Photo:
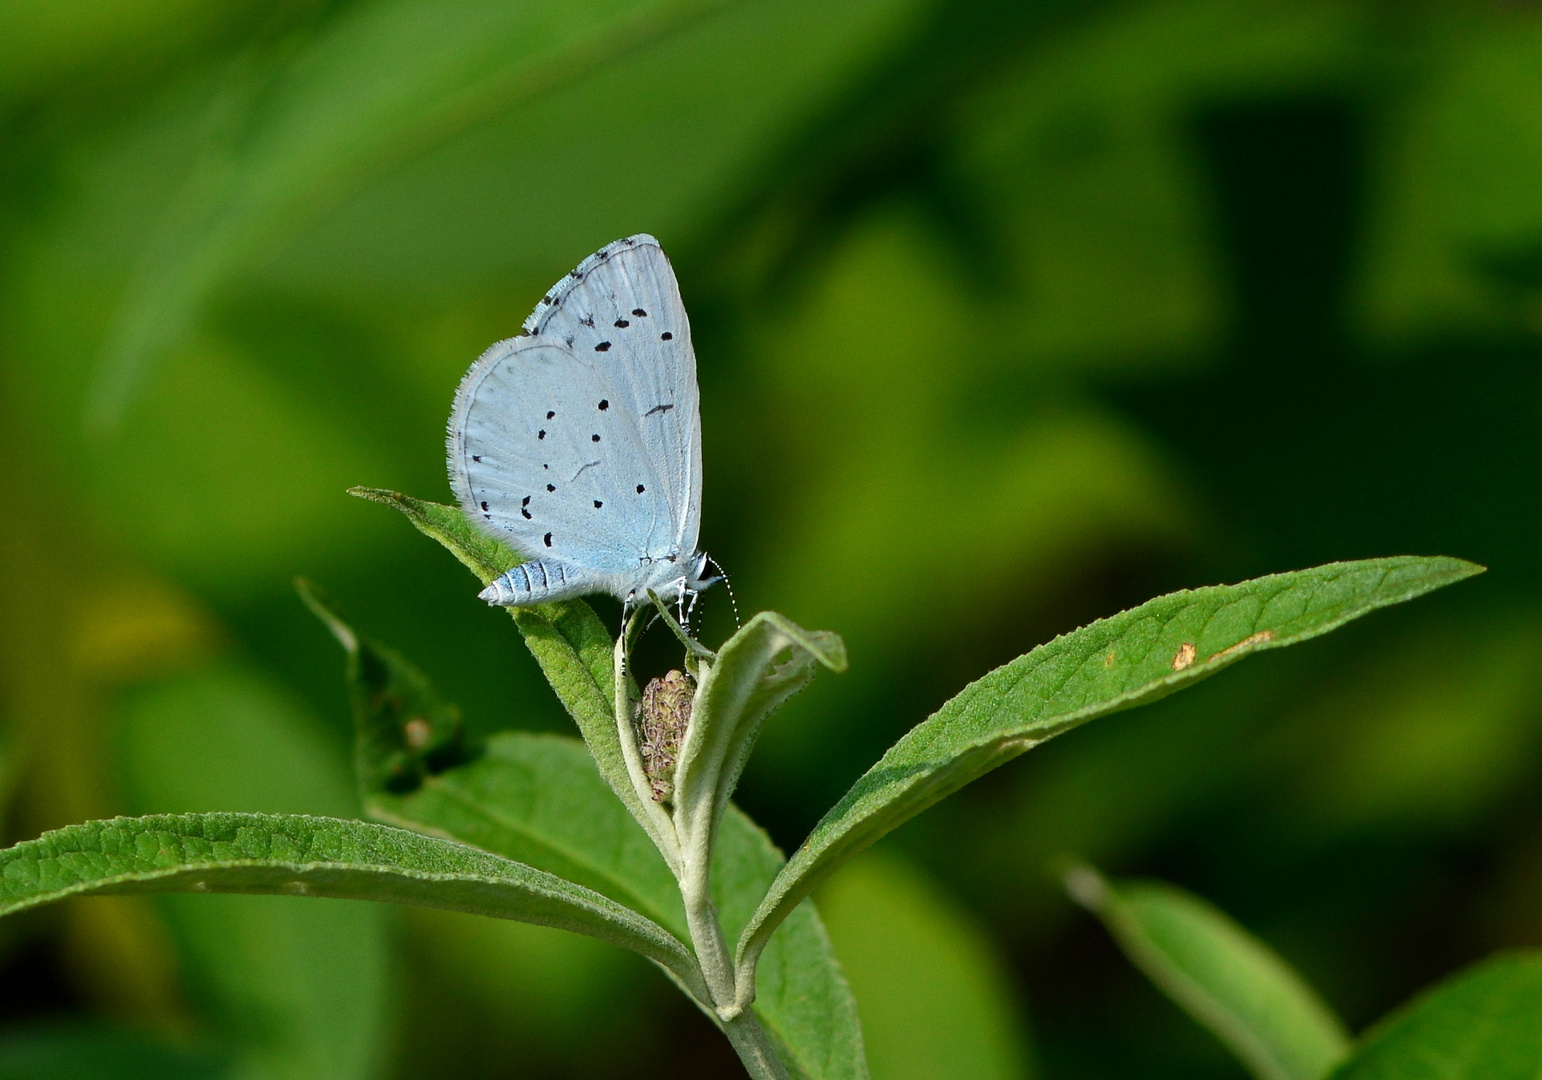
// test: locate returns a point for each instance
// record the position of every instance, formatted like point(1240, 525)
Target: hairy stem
point(754, 1047)
point(738, 1021)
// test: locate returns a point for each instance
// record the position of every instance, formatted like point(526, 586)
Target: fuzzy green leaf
point(1132, 658)
point(298, 855)
point(739, 690)
point(1482, 1024)
point(537, 798)
point(567, 639)
point(484, 556)
point(1221, 975)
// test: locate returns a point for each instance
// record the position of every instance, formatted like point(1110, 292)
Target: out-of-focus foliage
point(933, 994)
point(1008, 317)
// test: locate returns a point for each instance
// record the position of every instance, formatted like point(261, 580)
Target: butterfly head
point(701, 575)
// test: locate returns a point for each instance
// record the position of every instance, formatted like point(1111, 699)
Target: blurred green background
point(1008, 316)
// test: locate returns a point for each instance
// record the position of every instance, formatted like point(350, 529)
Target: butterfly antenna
point(733, 601)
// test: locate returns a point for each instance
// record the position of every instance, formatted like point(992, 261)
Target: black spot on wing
point(603, 346)
point(604, 404)
point(641, 489)
point(621, 324)
point(639, 312)
point(598, 504)
point(665, 336)
point(548, 539)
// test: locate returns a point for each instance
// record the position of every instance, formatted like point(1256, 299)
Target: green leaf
point(738, 691)
point(802, 997)
point(226, 737)
point(1221, 975)
point(298, 855)
point(379, 83)
point(537, 798)
point(484, 556)
point(567, 639)
point(1132, 658)
point(1483, 1024)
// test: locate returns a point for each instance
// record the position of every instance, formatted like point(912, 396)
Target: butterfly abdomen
point(537, 582)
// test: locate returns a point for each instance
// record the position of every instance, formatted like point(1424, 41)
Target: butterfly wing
point(545, 454)
point(622, 307)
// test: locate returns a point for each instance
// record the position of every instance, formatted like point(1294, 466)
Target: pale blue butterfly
point(579, 442)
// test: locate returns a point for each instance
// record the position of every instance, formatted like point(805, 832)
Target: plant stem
point(739, 1023)
point(707, 937)
point(754, 1047)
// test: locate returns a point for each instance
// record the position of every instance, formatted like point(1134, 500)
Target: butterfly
point(578, 443)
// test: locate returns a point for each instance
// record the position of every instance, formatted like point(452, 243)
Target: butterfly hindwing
point(545, 453)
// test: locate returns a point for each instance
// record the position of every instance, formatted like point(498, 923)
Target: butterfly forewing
point(622, 307)
point(545, 455)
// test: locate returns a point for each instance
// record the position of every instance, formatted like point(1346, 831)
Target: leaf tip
point(378, 495)
point(1084, 884)
point(310, 596)
point(832, 650)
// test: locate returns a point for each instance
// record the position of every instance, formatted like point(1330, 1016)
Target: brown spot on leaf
point(416, 733)
point(1185, 656)
point(1262, 635)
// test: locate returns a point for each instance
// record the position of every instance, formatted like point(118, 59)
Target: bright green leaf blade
point(538, 799)
point(379, 83)
point(1225, 978)
point(742, 687)
point(1116, 663)
point(1483, 1024)
point(298, 855)
point(227, 738)
point(567, 639)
